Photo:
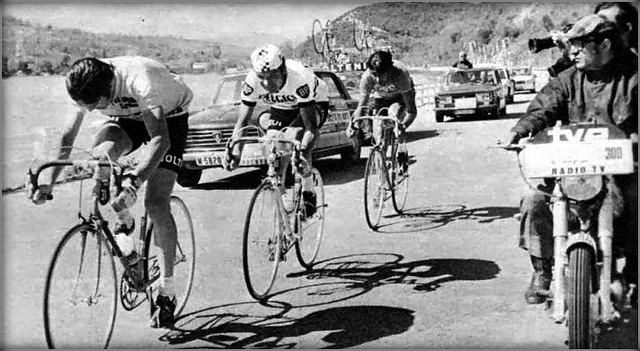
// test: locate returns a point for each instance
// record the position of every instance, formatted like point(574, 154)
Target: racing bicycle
point(81, 288)
point(387, 173)
point(278, 217)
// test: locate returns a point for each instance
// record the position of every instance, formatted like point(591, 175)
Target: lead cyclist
point(297, 99)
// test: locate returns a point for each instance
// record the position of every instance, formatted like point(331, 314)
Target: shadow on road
point(623, 334)
point(420, 134)
point(340, 327)
point(367, 271)
point(431, 217)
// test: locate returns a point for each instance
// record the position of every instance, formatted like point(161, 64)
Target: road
point(446, 274)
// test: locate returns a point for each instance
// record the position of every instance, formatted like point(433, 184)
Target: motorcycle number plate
point(570, 159)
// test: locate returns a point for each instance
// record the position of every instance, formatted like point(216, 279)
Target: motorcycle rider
point(603, 87)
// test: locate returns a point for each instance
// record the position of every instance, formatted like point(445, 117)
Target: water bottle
point(127, 246)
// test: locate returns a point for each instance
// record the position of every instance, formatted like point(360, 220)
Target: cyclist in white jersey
point(146, 104)
point(292, 90)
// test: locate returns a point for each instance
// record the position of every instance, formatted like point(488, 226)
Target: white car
point(506, 80)
point(524, 78)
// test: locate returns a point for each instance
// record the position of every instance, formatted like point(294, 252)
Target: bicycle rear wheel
point(185, 259)
point(400, 178)
point(318, 37)
point(374, 187)
point(261, 245)
point(311, 229)
point(80, 294)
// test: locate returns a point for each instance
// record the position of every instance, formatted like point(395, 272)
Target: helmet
point(266, 58)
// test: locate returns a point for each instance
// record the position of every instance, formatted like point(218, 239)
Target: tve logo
point(580, 134)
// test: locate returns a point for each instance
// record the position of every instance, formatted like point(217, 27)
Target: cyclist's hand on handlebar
point(41, 194)
point(230, 160)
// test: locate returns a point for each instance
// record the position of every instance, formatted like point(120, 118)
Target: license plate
point(209, 161)
point(465, 102)
point(465, 112)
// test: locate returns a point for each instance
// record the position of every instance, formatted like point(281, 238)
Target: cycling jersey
point(144, 84)
point(398, 81)
point(301, 88)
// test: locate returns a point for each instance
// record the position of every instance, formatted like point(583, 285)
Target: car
point(463, 93)
point(211, 128)
point(524, 78)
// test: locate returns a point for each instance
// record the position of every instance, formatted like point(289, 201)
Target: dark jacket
point(462, 64)
point(609, 96)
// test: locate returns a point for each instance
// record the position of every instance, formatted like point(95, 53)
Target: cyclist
point(391, 86)
point(145, 103)
point(291, 90)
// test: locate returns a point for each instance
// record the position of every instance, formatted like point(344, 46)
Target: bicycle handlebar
point(33, 176)
point(262, 139)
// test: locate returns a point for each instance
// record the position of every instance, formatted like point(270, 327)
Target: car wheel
point(352, 154)
point(189, 177)
point(439, 117)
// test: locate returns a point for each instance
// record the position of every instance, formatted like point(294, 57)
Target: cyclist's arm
point(158, 145)
point(365, 91)
point(308, 115)
point(67, 140)
point(246, 110)
point(409, 98)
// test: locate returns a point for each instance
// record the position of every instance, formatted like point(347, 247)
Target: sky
point(192, 20)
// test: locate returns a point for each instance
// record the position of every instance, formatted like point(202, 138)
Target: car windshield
point(521, 71)
point(228, 91)
point(470, 77)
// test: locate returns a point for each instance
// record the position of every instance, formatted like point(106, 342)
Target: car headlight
point(483, 98)
point(582, 188)
point(264, 120)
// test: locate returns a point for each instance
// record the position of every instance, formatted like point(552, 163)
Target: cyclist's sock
point(167, 287)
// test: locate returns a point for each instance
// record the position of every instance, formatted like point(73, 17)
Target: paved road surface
point(447, 274)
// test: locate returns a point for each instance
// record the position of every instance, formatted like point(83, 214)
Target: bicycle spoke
point(312, 227)
point(261, 249)
point(80, 292)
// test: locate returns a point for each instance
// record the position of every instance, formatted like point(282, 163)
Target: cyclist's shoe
point(162, 315)
point(310, 202)
point(121, 228)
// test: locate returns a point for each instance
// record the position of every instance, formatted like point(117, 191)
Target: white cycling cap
point(266, 58)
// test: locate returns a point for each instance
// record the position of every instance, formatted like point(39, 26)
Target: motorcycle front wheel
point(580, 319)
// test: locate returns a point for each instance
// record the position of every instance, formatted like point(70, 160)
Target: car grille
point(211, 139)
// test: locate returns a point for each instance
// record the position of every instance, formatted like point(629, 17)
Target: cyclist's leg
point(309, 196)
point(116, 138)
point(157, 203)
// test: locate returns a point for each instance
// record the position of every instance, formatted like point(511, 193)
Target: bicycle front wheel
point(311, 229)
point(400, 178)
point(318, 37)
point(261, 245)
point(184, 263)
point(374, 187)
point(80, 294)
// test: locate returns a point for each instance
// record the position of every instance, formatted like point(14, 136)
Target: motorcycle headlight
point(582, 188)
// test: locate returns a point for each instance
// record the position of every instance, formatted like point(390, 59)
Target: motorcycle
point(580, 159)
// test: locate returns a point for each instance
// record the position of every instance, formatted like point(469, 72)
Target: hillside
point(33, 47)
point(420, 33)
point(433, 33)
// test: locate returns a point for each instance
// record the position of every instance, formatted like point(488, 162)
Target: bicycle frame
point(277, 161)
point(95, 218)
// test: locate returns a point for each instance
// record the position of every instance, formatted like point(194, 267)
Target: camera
point(539, 44)
point(560, 65)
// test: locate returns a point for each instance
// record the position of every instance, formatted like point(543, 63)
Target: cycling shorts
point(178, 127)
point(291, 118)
